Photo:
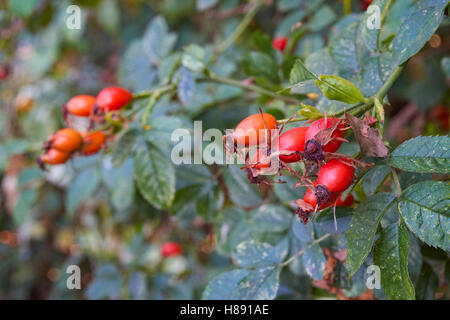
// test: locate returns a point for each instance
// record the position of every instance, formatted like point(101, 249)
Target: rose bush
point(359, 93)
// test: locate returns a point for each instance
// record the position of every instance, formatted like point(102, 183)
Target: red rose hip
point(292, 140)
point(66, 140)
point(54, 156)
point(346, 203)
point(113, 98)
point(279, 43)
point(170, 249)
point(93, 142)
point(336, 175)
point(249, 130)
point(81, 105)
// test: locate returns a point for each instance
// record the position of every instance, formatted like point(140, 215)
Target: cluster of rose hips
point(68, 141)
point(315, 145)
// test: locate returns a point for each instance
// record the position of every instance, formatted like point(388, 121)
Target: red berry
point(54, 156)
point(260, 160)
point(113, 98)
point(4, 72)
point(319, 125)
point(335, 175)
point(81, 105)
point(248, 130)
point(346, 203)
point(279, 43)
point(170, 249)
point(365, 4)
point(292, 140)
point(66, 140)
point(93, 142)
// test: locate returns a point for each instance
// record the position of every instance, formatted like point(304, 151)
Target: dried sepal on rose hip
point(323, 135)
point(303, 211)
point(319, 198)
point(260, 160)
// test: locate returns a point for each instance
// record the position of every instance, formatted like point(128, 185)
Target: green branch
point(360, 108)
point(248, 87)
point(256, 5)
point(299, 253)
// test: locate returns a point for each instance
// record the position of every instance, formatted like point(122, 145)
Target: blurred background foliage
point(89, 211)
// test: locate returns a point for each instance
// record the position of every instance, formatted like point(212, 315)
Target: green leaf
point(194, 58)
point(416, 30)
point(204, 192)
point(325, 219)
point(272, 218)
point(109, 15)
point(224, 225)
point(427, 284)
point(123, 147)
point(81, 188)
point(303, 232)
point(321, 18)
point(24, 205)
point(240, 191)
point(243, 284)
point(310, 112)
point(364, 224)
point(299, 73)
point(259, 284)
point(263, 43)
point(367, 36)
point(260, 64)
point(158, 42)
point(314, 262)
point(168, 67)
point(391, 255)
point(445, 63)
point(120, 183)
point(222, 286)
point(343, 49)
point(372, 181)
point(210, 201)
point(107, 283)
point(154, 175)
point(337, 88)
point(251, 254)
point(22, 8)
point(136, 71)
point(415, 258)
point(286, 192)
point(423, 155)
point(186, 86)
point(137, 285)
point(205, 4)
point(425, 207)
